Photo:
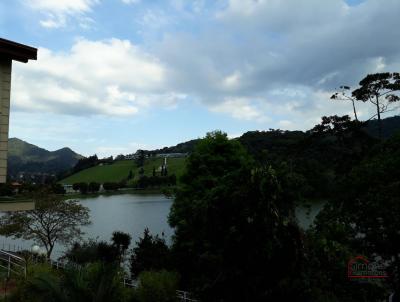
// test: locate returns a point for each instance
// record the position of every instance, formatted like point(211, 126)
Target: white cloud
point(57, 12)
point(255, 58)
point(111, 77)
point(131, 1)
point(282, 15)
point(241, 109)
point(129, 148)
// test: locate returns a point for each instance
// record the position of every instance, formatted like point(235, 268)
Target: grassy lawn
point(120, 170)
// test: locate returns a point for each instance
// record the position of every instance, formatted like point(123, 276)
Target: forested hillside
point(29, 159)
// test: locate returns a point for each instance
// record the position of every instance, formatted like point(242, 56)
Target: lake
point(130, 213)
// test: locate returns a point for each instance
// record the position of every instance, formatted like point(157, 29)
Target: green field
point(119, 171)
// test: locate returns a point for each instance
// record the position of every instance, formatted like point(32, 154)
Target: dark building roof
point(15, 51)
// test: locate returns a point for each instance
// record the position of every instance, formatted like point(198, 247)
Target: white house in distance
point(9, 51)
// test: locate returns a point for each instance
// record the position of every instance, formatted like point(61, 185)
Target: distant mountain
point(30, 159)
point(185, 147)
point(390, 126)
point(274, 140)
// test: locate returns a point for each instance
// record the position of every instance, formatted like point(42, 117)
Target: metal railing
point(12, 263)
point(185, 296)
point(182, 295)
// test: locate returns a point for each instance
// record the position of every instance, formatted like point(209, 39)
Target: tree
point(341, 95)
point(81, 187)
point(111, 186)
point(151, 253)
point(53, 220)
point(121, 242)
point(335, 125)
point(94, 282)
point(232, 241)
point(140, 158)
point(141, 172)
point(94, 187)
point(380, 89)
point(57, 188)
point(158, 286)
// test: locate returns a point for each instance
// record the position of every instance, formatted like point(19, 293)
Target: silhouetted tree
point(94, 187)
point(121, 241)
point(380, 89)
point(232, 240)
point(151, 253)
point(342, 95)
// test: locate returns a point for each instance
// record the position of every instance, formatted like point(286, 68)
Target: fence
point(183, 296)
point(11, 247)
point(15, 264)
point(12, 263)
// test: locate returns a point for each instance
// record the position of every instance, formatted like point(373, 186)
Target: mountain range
point(25, 158)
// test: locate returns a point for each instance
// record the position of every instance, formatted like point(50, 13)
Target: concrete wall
point(5, 86)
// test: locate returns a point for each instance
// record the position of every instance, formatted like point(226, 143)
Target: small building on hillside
point(171, 155)
point(69, 189)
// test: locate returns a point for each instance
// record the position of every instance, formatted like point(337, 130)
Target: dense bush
point(151, 253)
point(157, 286)
point(93, 187)
point(156, 181)
point(111, 186)
point(81, 187)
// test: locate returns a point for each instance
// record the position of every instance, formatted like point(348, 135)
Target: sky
point(114, 76)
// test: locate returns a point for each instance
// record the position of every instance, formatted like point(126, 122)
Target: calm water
point(130, 213)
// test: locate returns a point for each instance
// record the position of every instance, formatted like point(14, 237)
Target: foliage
point(85, 163)
point(53, 220)
point(111, 186)
point(342, 95)
point(330, 245)
point(156, 181)
point(121, 242)
point(94, 187)
point(371, 203)
point(141, 156)
point(6, 189)
point(81, 187)
point(91, 251)
point(232, 242)
point(150, 253)
point(380, 89)
point(157, 286)
point(57, 188)
point(95, 282)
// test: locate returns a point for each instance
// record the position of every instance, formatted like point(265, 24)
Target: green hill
point(119, 170)
point(30, 159)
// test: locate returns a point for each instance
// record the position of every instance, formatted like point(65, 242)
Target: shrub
point(158, 286)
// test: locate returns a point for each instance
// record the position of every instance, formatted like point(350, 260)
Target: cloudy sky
point(113, 76)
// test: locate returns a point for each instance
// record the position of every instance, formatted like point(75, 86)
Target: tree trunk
point(49, 250)
point(355, 111)
point(379, 118)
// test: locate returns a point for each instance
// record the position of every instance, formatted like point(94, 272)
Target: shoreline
point(22, 199)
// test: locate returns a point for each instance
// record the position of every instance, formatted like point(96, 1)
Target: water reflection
point(130, 213)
